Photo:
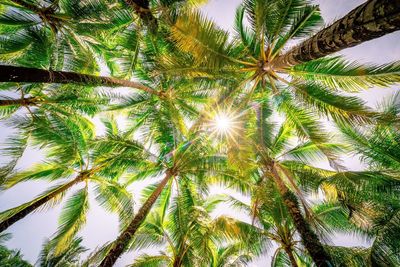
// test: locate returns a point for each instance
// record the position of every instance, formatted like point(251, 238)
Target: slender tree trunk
point(177, 262)
point(125, 237)
point(142, 9)
point(368, 21)
point(179, 257)
point(33, 75)
point(17, 102)
point(292, 259)
point(32, 207)
point(309, 238)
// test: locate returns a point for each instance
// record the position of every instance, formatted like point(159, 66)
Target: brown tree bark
point(27, 210)
point(292, 259)
point(368, 21)
point(309, 239)
point(18, 102)
point(177, 262)
point(33, 75)
point(120, 244)
point(142, 9)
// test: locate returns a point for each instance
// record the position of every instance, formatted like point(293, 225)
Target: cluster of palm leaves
point(170, 74)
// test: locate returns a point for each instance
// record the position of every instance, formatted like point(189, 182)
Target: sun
point(223, 122)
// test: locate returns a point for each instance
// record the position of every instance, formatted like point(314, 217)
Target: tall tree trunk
point(309, 238)
point(32, 207)
point(368, 21)
point(142, 9)
point(289, 252)
point(17, 102)
point(33, 75)
point(124, 238)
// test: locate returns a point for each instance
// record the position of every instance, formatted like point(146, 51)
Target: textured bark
point(18, 102)
point(289, 252)
point(177, 262)
point(125, 237)
point(142, 9)
point(32, 75)
point(309, 239)
point(368, 21)
point(27, 210)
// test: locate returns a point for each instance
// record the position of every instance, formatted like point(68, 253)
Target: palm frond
point(115, 198)
point(385, 249)
point(336, 106)
point(304, 22)
point(151, 261)
point(335, 72)
point(72, 218)
point(194, 34)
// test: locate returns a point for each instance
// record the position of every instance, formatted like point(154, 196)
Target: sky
point(29, 234)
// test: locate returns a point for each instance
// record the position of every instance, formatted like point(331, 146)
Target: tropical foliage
point(114, 94)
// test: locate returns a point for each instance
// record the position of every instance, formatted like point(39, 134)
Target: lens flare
point(223, 123)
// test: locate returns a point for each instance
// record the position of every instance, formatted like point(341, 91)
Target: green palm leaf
point(335, 72)
point(72, 218)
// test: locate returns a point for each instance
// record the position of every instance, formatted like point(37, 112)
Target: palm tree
point(165, 122)
point(271, 154)
point(378, 146)
point(181, 63)
point(10, 257)
point(142, 9)
point(192, 237)
point(69, 257)
point(368, 21)
point(182, 98)
point(32, 75)
point(255, 55)
point(101, 162)
point(61, 35)
point(271, 219)
point(71, 99)
point(253, 49)
point(121, 47)
point(180, 158)
point(48, 126)
point(275, 162)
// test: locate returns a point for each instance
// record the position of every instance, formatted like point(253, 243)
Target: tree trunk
point(368, 21)
point(178, 259)
point(289, 252)
point(309, 238)
point(125, 237)
point(177, 262)
point(32, 207)
point(142, 9)
point(17, 102)
point(32, 75)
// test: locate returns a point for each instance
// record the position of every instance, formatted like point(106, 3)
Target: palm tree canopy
point(115, 94)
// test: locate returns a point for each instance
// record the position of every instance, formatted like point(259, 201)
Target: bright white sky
point(101, 227)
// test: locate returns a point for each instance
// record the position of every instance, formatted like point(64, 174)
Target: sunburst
point(223, 123)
